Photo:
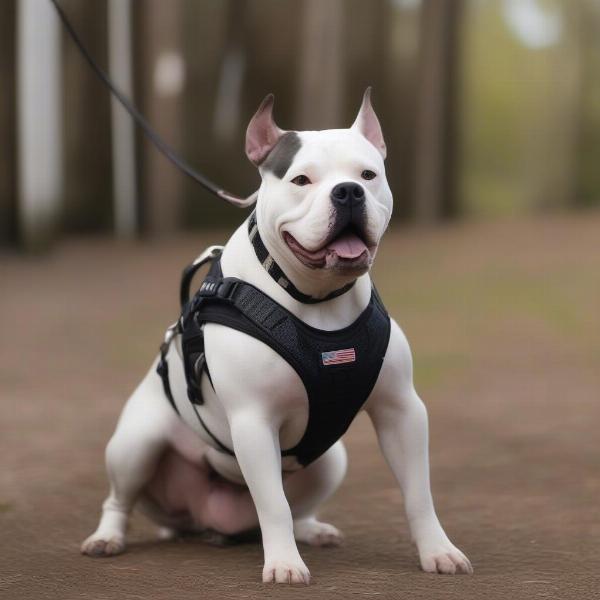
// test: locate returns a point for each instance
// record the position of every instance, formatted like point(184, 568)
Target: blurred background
point(489, 107)
point(491, 113)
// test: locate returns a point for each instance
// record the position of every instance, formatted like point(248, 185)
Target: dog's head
point(324, 202)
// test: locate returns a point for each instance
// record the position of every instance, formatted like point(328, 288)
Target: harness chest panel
point(338, 368)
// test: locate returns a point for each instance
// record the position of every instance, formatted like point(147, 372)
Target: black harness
point(338, 368)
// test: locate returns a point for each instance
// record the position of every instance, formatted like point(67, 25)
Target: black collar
point(275, 271)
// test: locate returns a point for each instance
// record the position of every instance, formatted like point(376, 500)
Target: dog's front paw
point(286, 571)
point(444, 557)
point(99, 545)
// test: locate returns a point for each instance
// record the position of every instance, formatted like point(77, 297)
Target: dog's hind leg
point(132, 455)
point(308, 489)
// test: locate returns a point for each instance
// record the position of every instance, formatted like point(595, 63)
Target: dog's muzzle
point(347, 246)
point(349, 211)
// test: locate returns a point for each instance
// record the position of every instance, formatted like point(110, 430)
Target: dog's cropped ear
point(262, 133)
point(368, 125)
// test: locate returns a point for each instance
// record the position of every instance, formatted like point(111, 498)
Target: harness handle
point(210, 254)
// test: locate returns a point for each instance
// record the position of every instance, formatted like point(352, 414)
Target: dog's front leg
point(400, 420)
point(256, 444)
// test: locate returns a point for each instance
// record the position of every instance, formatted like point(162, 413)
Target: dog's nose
point(348, 194)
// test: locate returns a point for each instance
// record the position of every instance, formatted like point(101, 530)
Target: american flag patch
point(338, 357)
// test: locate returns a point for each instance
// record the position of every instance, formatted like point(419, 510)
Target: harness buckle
point(227, 289)
point(208, 288)
point(209, 255)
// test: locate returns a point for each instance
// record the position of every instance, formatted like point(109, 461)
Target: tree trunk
point(437, 111)
point(587, 174)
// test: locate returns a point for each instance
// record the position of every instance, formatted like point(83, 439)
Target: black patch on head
point(280, 158)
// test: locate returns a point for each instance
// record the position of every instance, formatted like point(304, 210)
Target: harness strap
point(199, 366)
point(215, 439)
point(163, 370)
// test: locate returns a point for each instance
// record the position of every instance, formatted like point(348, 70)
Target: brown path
point(504, 322)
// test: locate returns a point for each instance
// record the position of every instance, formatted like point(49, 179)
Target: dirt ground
point(504, 322)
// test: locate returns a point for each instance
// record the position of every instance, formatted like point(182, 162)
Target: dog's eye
point(367, 174)
point(301, 180)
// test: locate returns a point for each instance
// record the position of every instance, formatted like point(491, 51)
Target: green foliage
point(531, 116)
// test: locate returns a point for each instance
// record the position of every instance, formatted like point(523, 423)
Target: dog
point(322, 208)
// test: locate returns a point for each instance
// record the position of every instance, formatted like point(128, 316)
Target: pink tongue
point(348, 246)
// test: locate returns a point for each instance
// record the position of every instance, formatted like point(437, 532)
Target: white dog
point(303, 345)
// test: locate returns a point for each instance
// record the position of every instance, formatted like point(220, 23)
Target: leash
point(140, 120)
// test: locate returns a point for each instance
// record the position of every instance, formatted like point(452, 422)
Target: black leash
point(160, 144)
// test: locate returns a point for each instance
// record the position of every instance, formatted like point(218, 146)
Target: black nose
point(348, 194)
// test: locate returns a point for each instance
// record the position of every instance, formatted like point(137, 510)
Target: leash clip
point(210, 253)
point(170, 333)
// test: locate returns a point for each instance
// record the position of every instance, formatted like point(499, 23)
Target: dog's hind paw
point(315, 533)
point(100, 546)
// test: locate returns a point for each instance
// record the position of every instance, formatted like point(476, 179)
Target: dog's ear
point(368, 125)
point(262, 133)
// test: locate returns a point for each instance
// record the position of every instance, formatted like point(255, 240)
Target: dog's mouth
point(348, 250)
